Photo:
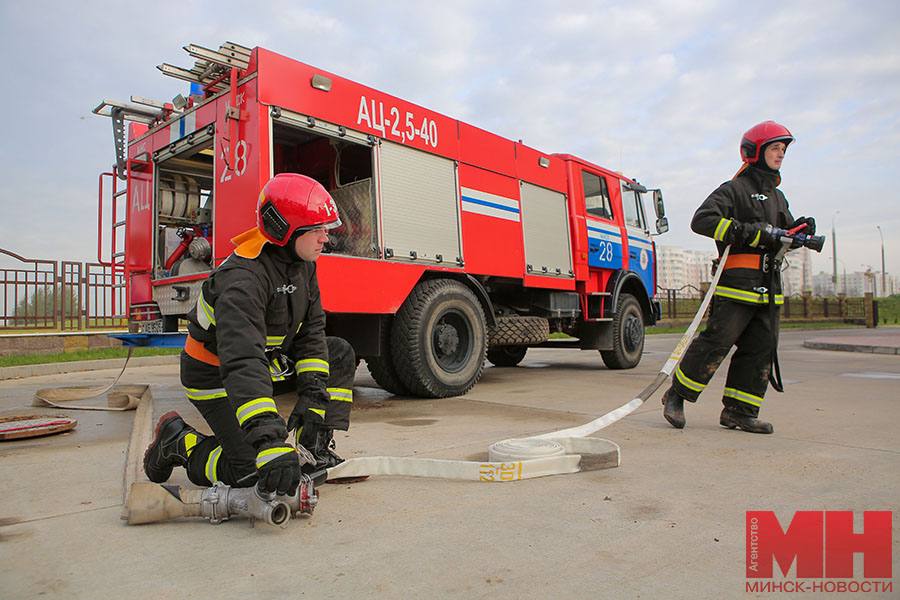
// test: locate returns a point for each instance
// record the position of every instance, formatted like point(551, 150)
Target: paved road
point(668, 523)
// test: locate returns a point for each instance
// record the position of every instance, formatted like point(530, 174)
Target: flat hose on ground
point(118, 397)
point(557, 452)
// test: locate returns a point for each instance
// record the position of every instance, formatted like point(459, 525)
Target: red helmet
point(760, 135)
point(292, 202)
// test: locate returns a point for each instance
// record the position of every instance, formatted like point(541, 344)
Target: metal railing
point(59, 295)
point(682, 304)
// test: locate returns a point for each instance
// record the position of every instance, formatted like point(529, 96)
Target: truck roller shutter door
point(545, 223)
point(420, 207)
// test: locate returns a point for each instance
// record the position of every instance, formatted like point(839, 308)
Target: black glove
point(756, 235)
point(810, 228)
point(278, 465)
point(310, 398)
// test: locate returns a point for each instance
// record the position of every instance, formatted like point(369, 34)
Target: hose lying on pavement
point(118, 397)
point(557, 452)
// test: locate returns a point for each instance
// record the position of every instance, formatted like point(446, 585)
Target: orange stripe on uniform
point(743, 261)
point(197, 350)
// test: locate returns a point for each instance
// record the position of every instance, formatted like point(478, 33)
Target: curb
point(85, 365)
point(850, 347)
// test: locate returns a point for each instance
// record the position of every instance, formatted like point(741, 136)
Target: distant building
point(855, 284)
point(796, 272)
point(682, 269)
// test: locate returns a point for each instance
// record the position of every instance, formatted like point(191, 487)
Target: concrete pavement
point(669, 522)
point(876, 341)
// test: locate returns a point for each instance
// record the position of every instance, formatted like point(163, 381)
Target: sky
point(661, 91)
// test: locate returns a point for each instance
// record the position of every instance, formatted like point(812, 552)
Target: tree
point(37, 309)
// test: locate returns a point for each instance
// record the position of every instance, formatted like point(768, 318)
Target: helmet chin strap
point(291, 246)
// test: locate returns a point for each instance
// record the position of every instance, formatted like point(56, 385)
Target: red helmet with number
point(759, 135)
point(288, 203)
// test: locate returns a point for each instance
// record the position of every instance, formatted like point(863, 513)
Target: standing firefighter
point(258, 330)
point(746, 303)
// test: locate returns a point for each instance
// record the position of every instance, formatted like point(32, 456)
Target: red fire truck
point(457, 244)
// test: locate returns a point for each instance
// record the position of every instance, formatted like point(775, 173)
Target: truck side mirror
point(658, 204)
point(662, 225)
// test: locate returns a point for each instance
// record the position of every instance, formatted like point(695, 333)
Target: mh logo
point(822, 543)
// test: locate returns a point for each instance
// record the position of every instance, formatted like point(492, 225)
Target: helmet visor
point(325, 226)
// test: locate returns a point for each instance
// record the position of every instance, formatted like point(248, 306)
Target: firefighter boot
point(674, 408)
point(732, 419)
point(171, 446)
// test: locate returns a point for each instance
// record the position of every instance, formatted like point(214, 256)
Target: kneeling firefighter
point(746, 302)
point(258, 330)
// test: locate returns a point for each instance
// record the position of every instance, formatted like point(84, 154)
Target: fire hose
point(557, 452)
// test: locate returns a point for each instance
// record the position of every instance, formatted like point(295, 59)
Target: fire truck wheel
point(628, 335)
point(438, 339)
point(506, 356)
point(382, 367)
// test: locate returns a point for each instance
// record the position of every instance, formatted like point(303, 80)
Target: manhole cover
point(27, 426)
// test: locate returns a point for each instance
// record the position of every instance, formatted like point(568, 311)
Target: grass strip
point(18, 360)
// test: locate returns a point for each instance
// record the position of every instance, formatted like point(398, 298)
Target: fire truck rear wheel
point(628, 335)
point(506, 356)
point(438, 339)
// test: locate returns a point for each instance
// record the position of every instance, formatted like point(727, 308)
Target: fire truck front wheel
point(628, 335)
point(438, 339)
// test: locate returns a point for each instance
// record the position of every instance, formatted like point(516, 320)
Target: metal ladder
point(212, 68)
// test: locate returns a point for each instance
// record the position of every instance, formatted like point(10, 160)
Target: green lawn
point(96, 354)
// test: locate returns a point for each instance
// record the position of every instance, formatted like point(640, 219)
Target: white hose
point(557, 452)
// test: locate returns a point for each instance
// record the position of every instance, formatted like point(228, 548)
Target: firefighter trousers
point(754, 333)
point(225, 456)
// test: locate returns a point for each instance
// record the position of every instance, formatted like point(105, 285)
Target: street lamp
point(834, 258)
point(883, 288)
point(844, 267)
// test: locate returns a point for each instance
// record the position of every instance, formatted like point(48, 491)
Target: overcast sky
point(661, 91)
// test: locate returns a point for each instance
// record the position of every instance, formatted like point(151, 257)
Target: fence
point(683, 304)
point(59, 295)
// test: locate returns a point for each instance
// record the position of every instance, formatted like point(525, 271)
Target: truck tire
point(382, 367)
point(506, 356)
point(518, 331)
point(628, 335)
point(438, 339)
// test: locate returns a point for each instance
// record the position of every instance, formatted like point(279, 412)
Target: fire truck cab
point(456, 244)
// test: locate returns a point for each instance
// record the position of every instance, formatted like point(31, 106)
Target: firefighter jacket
point(749, 198)
point(260, 319)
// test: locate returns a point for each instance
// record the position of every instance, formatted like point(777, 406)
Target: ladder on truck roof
point(212, 68)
